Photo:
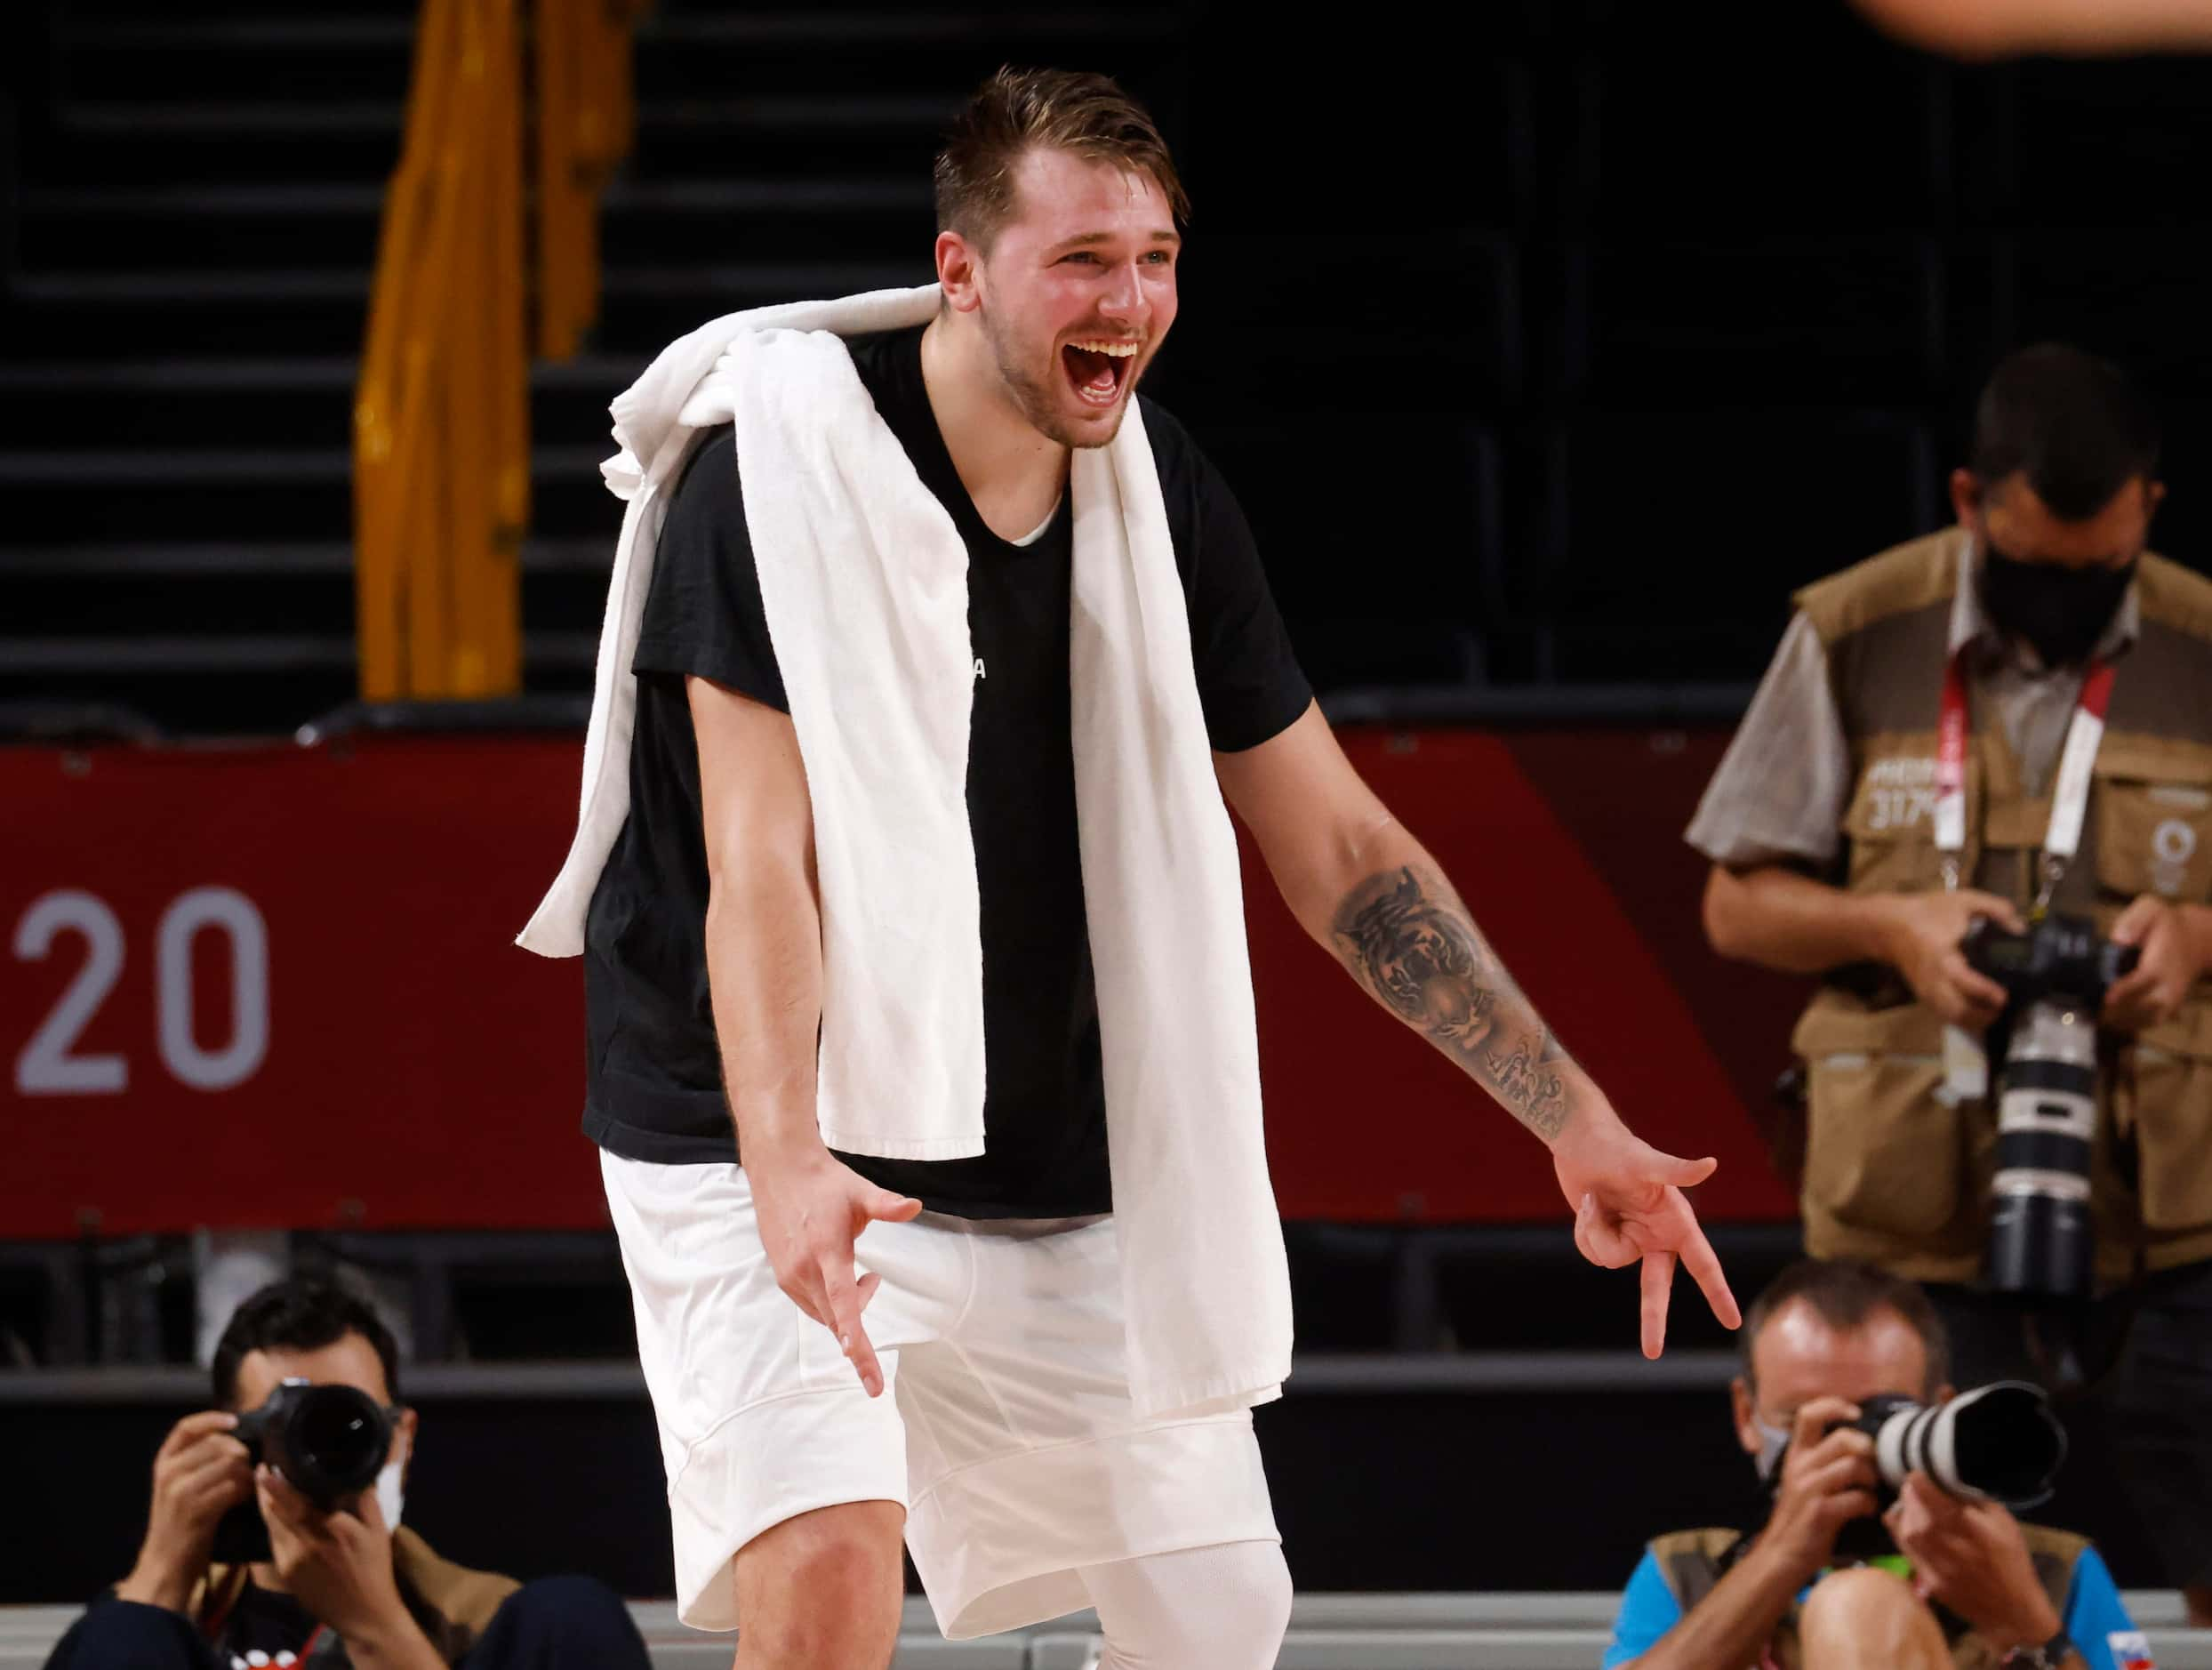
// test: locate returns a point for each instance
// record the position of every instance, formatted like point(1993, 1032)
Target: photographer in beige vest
point(1849, 841)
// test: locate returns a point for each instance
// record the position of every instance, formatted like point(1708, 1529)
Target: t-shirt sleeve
point(1648, 1610)
point(1249, 681)
point(703, 613)
point(2097, 1620)
point(1780, 792)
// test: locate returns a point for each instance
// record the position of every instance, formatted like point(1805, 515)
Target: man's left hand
point(1628, 1205)
point(338, 1565)
point(1971, 1556)
point(2170, 962)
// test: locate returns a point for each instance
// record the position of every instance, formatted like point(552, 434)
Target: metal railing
point(440, 414)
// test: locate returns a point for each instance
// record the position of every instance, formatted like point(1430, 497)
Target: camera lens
point(2040, 1232)
point(331, 1442)
point(1996, 1443)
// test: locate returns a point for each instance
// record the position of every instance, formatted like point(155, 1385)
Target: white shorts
point(1006, 1427)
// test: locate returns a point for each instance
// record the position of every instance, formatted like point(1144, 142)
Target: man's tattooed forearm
point(1422, 959)
point(1419, 954)
point(1531, 1088)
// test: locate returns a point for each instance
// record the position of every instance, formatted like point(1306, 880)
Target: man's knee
point(1253, 1594)
point(1224, 1607)
point(822, 1589)
point(126, 1635)
point(558, 1622)
point(1866, 1616)
point(1265, 1591)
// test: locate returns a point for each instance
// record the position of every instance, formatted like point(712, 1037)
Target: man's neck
point(1013, 473)
point(264, 1575)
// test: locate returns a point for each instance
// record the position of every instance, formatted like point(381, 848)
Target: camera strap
point(2070, 793)
point(1966, 1064)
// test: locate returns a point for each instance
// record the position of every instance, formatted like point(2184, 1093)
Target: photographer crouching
point(275, 1536)
point(1974, 794)
point(1843, 1407)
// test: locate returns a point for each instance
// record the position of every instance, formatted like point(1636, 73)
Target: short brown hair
point(299, 1314)
point(1017, 111)
point(1844, 1294)
point(2076, 426)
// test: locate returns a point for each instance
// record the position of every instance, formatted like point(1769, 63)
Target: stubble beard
point(1033, 397)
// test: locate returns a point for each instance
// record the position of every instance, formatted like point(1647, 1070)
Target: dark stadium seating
point(1592, 239)
point(1675, 537)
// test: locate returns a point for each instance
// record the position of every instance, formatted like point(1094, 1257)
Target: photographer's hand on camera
point(200, 1473)
point(338, 1565)
point(1971, 1556)
point(1923, 930)
point(1828, 1479)
point(2171, 956)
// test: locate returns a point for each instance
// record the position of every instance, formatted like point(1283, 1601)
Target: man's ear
point(958, 271)
point(1966, 497)
point(1745, 1408)
point(404, 1430)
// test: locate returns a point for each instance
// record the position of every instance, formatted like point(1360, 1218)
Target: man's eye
point(1081, 254)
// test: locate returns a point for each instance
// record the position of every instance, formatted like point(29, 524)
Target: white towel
point(864, 581)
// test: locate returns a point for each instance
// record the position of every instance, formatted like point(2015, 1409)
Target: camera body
point(329, 1442)
point(2055, 976)
point(1999, 1442)
point(2060, 957)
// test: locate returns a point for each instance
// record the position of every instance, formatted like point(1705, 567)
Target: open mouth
point(1098, 368)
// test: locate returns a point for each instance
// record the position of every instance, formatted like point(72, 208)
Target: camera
point(2055, 976)
point(1999, 1442)
point(329, 1442)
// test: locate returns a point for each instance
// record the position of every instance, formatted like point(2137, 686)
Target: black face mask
point(2061, 612)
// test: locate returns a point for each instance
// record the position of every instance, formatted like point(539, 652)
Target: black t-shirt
point(654, 1079)
point(275, 1626)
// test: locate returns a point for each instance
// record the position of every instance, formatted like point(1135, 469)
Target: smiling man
point(1073, 1330)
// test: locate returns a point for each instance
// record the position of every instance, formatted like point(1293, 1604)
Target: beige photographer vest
point(1692, 1562)
point(1892, 1174)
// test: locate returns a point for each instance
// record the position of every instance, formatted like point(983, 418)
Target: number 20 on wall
point(50, 1065)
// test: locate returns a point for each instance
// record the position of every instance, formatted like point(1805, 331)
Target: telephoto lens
point(2039, 1241)
point(329, 1442)
point(2055, 976)
point(2000, 1443)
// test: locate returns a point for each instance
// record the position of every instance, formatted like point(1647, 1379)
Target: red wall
point(405, 1065)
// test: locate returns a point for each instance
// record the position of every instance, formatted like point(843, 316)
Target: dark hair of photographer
point(340, 1583)
point(2074, 425)
point(296, 1316)
point(1961, 1582)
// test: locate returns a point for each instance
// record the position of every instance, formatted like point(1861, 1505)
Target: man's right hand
point(200, 1473)
point(1828, 1479)
point(811, 1210)
point(1922, 940)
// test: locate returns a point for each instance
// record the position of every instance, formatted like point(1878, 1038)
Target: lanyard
point(2070, 794)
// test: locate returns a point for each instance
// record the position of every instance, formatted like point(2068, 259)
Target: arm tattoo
point(1416, 950)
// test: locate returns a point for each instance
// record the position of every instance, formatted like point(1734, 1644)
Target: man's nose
point(1124, 297)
